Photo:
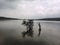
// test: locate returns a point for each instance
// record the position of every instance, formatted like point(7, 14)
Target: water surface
point(50, 34)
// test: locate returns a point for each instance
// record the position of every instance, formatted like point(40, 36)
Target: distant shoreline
point(45, 19)
point(51, 19)
point(6, 18)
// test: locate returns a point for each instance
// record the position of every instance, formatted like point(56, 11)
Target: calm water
point(50, 33)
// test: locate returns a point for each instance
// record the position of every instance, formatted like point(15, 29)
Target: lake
point(50, 33)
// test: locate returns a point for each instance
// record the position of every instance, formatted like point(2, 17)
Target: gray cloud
point(8, 4)
point(11, 0)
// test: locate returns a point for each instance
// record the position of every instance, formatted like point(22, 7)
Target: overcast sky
point(30, 8)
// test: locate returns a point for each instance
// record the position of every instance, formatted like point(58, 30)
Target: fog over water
point(50, 31)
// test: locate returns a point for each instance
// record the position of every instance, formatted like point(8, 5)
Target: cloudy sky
point(30, 8)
